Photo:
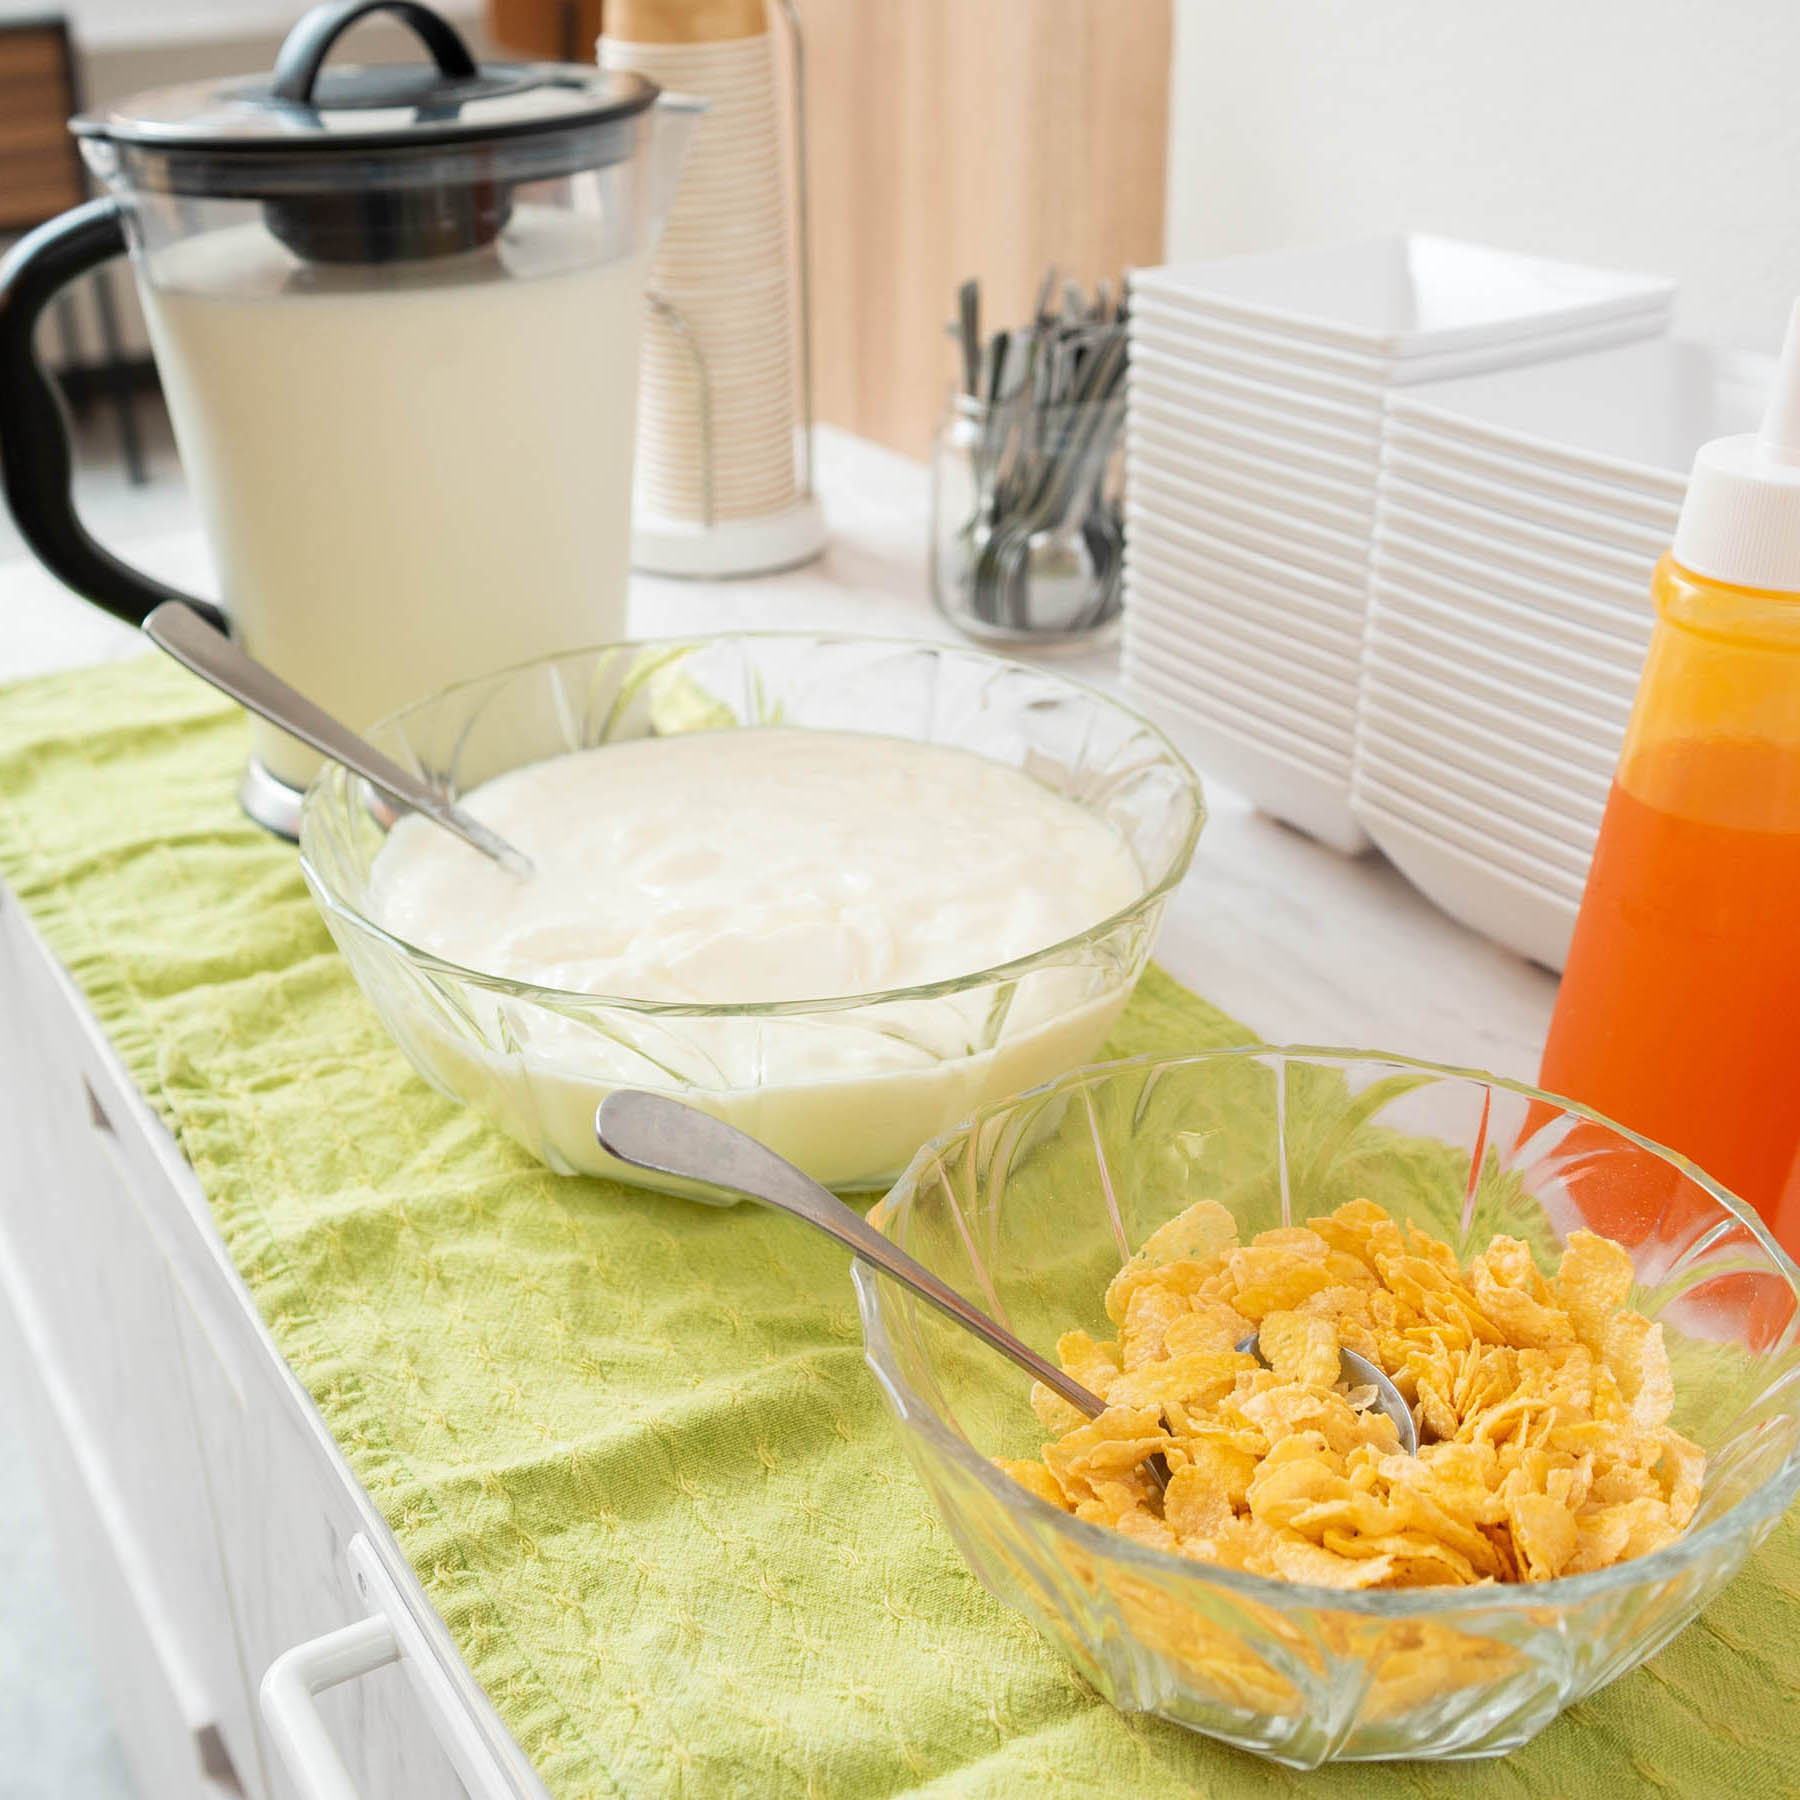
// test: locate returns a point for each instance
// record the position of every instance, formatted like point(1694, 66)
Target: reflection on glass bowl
point(865, 1079)
point(1029, 1208)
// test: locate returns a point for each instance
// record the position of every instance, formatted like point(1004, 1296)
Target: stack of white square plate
point(1521, 516)
point(1253, 445)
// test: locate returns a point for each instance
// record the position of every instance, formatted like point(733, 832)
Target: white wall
point(1654, 134)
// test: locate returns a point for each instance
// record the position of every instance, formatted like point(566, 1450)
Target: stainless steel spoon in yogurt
point(211, 655)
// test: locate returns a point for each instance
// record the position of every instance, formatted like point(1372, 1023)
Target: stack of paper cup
point(720, 355)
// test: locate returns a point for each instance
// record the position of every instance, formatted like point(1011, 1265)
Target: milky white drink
point(409, 474)
point(768, 865)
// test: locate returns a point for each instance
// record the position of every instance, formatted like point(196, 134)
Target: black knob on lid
point(384, 221)
point(304, 50)
point(377, 164)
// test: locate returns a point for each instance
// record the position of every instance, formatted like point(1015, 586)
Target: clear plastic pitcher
point(395, 312)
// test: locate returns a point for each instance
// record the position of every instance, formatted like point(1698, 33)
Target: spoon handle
point(651, 1131)
point(212, 656)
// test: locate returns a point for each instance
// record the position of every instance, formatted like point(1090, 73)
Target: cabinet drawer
point(286, 1527)
point(104, 1310)
point(166, 1717)
point(102, 1282)
point(212, 1435)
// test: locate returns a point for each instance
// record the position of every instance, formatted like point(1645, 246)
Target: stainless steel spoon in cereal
point(652, 1131)
point(1360, 1372)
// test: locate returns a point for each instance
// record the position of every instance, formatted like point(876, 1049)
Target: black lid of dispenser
point(368, 164)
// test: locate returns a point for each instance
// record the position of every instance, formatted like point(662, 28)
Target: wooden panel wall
point(952, 138)
point(40, 168)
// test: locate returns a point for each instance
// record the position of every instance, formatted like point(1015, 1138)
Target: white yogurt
point(761, 865)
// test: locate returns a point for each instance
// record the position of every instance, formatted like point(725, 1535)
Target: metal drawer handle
point(288, 1701)
point(387, 1635)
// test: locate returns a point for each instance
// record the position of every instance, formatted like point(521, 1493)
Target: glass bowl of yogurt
point(839, 891)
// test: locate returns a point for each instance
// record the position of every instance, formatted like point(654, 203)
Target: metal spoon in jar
point(212, 656)
point(651, 1131)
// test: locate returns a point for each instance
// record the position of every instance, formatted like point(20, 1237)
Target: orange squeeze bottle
point(1679, 1014)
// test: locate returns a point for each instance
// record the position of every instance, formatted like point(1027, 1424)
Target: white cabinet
point(206, 1518)
point(167, 1712)
point(286, 1527)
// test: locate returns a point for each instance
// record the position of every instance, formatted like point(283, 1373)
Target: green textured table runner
point(630, 1444)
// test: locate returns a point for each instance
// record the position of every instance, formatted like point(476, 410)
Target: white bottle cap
point(1740, 522)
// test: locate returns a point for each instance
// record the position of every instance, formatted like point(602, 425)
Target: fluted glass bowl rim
point(332, 786)
point(1768, 1500)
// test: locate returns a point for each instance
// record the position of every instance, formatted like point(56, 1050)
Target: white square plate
point(1322, 728)
point(1189, 401)
point(1173, 589)
point(1282, 605)
point(1328, 553)
point(1636, 414)
point(1617, 641)
point(1217, 435)
point(1179, 449)
point(1295, 789)
point(1213, 638)
point(1398, 680)
point(1472, 830)
point(1604, 695)
point(1257, 721)
point(1266, 339)
point(1495, 695)
point(1175, 468)
point(1518, 467)
point(1408, 295)
point(1613, 670)
point(1495, 902)
point(1500, 504)
point(1630, 581)
point(1294, 363)
point(1398, 723)
point(1207, 556)
point(1361, 420)
point(1428, 509)
point(1605, 606)
point(1169, 331)
point(1443, 781)
point(1528, 765)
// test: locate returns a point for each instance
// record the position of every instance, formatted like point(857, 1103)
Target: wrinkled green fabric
point(630, 1444)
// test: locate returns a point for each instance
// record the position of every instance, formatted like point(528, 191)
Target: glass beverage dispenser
point(395, 311)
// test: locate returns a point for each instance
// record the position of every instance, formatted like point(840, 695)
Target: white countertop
point(1301, 944)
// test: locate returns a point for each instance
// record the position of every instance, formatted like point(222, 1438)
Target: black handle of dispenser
point(304, 52)
point(37, 468)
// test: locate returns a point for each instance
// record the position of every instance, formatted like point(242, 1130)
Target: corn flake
point(1542, 1402)
point(1301, 1348)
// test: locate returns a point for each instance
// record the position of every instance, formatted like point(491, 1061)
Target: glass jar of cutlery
point(1027, 517)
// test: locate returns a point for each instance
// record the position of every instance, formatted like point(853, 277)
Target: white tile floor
point(56, 1735)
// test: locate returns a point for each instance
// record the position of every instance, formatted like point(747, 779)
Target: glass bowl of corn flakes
point(1597, 1343)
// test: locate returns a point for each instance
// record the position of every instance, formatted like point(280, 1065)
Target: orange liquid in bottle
point(1682, 991)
